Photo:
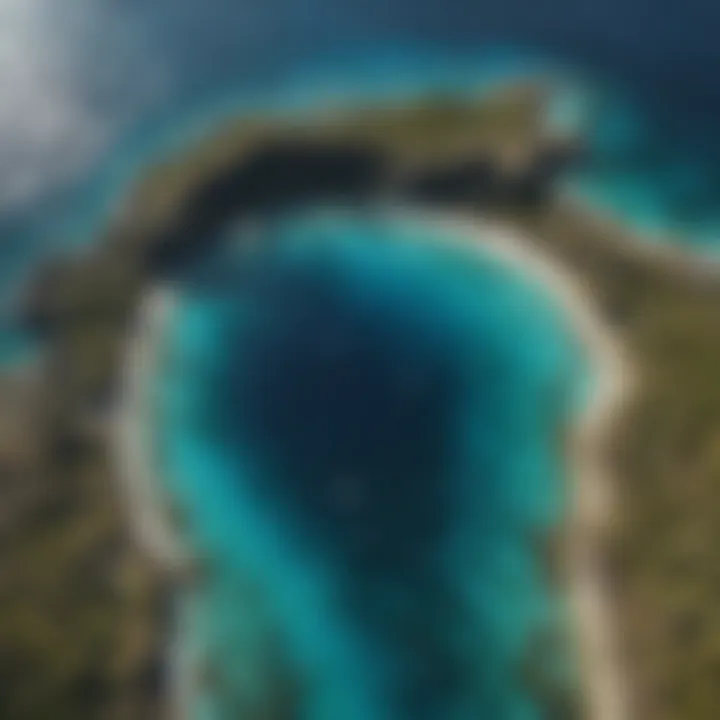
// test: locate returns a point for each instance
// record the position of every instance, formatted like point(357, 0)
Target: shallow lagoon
point(361, 426)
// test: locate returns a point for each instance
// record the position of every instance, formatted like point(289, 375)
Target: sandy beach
point(134, 449)
point(612, 377)
point(668, 252)
point(596, 633)
point(133, 431)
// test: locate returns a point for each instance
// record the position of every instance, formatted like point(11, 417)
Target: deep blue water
point(363, 437)
point(360, 423)
point(290, 530)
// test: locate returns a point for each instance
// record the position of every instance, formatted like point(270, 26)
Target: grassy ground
point(666, 458)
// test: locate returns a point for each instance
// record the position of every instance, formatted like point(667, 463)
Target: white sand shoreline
point(601, 669)
point(604, 682)
point(134, 450)
point(133, 437)
point(667, 251)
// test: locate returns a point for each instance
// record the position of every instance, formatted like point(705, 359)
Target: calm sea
point(361, 428)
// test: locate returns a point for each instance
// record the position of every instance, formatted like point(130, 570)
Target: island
point(85, 601)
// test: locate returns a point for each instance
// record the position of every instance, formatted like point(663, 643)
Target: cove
point(360, 425)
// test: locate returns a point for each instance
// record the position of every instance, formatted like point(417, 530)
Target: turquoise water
point(640, 170)
point(360, 425)
point(656, 177)
point(76, 216)
point(649, 177)
point(281, 607)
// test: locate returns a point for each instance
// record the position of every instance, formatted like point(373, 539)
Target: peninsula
point(82, 629)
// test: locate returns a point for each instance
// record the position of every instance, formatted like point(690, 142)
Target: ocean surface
point(361, 427)
point(394, 577)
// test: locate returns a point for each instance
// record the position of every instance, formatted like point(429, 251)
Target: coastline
point(666, 252)
point(604, 684)
point(134, 452)
point(663, 301)
point(602, 679)
point(133, 441)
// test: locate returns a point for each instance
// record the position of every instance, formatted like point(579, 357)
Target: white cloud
point(72, 72)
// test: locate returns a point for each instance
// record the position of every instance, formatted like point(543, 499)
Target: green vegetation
point(503, 125)
point(81, 634)
point(663, 561)
point(80, 624)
